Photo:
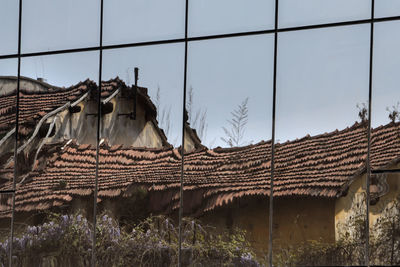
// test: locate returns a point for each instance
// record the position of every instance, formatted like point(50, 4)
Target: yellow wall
point(355, 200)
point(295, 220)
point(393, 180)
point(345, 206)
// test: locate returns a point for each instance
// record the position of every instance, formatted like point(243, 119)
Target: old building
point(318, 180)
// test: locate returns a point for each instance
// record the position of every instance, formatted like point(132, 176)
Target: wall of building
point(189, 143)
point(9, 84)
point(116, 127)
point(295, 220)
point(353, 204)
point(349, 206)
point(386, 201)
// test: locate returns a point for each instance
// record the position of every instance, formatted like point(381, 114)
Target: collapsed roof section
point(38, 99)
point(50, 114)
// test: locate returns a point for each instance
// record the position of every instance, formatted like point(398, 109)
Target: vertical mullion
point(183, 136)
point(16, 134)
point(371, 52)
point(96, 178)
point(271, 192)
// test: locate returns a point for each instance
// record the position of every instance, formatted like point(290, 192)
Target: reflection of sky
point(322, 74)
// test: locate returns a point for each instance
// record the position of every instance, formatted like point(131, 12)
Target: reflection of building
point(317, 178)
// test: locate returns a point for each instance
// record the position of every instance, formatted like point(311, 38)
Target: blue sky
point(322, 74)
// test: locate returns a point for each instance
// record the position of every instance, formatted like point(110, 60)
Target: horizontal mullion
point(9, 56)
point(385, 171)
point(206, 37)
point(11, 191)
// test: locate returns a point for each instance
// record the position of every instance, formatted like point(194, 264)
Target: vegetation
point(65, 240)
point(198, 118)
point(362, 112)
point(235, 134)
point(164, 114)
point(394, 112)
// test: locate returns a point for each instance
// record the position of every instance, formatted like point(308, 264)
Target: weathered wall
point(348, 206)
point(189, 143)
point(119, 129)
point(385, 201)
point(81, 126)
point(353, 203)
point(295, 220)
point(9, 84)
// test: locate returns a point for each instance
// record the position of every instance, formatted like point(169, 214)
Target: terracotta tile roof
point(319, 166)
point(35, 104)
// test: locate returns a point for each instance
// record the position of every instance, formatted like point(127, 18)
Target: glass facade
point(228, 132)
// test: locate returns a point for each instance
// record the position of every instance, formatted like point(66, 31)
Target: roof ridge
point(219, 149)
point(326, 134)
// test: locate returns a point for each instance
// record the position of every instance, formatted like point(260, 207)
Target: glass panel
point(385, 147)
point(386, 93)
point(307, 12)
point(5, 222)
point(138, 20)
point(387, 8)
point(140, 162)
point(227, 16)
point(56, 158)
point(227, 141)
point(8, 94)
point(54, 25)
point(8, 102)
point(321, 146)
point(9, 34)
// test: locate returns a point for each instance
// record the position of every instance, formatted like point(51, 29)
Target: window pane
point(8, 81)
point(227, 16)
point(228, 148)
point(54, 25)
point(8, 100)
point(387, 8)
point(56, 156)
point(385, 147)
point(140, 162)
point(308, 12)
point(386, 93)
point(5, 222)
point(9, 33)
point(321, 145)
point(135, 21)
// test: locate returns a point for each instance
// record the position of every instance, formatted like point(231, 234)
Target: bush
point(66, 240)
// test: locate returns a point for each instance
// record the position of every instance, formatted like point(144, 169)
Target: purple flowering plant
point(67, 239)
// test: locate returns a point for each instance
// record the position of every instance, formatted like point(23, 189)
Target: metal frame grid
point(372, 20)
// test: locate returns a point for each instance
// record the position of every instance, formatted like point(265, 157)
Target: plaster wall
point(295, 220)
point(354, 202)
point(9, 84)
point(119, 129)
point(116, 127)
point(189, 143)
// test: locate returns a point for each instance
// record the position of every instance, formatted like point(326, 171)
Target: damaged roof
point(35, 104)
point(318, 166)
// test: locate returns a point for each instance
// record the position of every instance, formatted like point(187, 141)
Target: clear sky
point(322, 74)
